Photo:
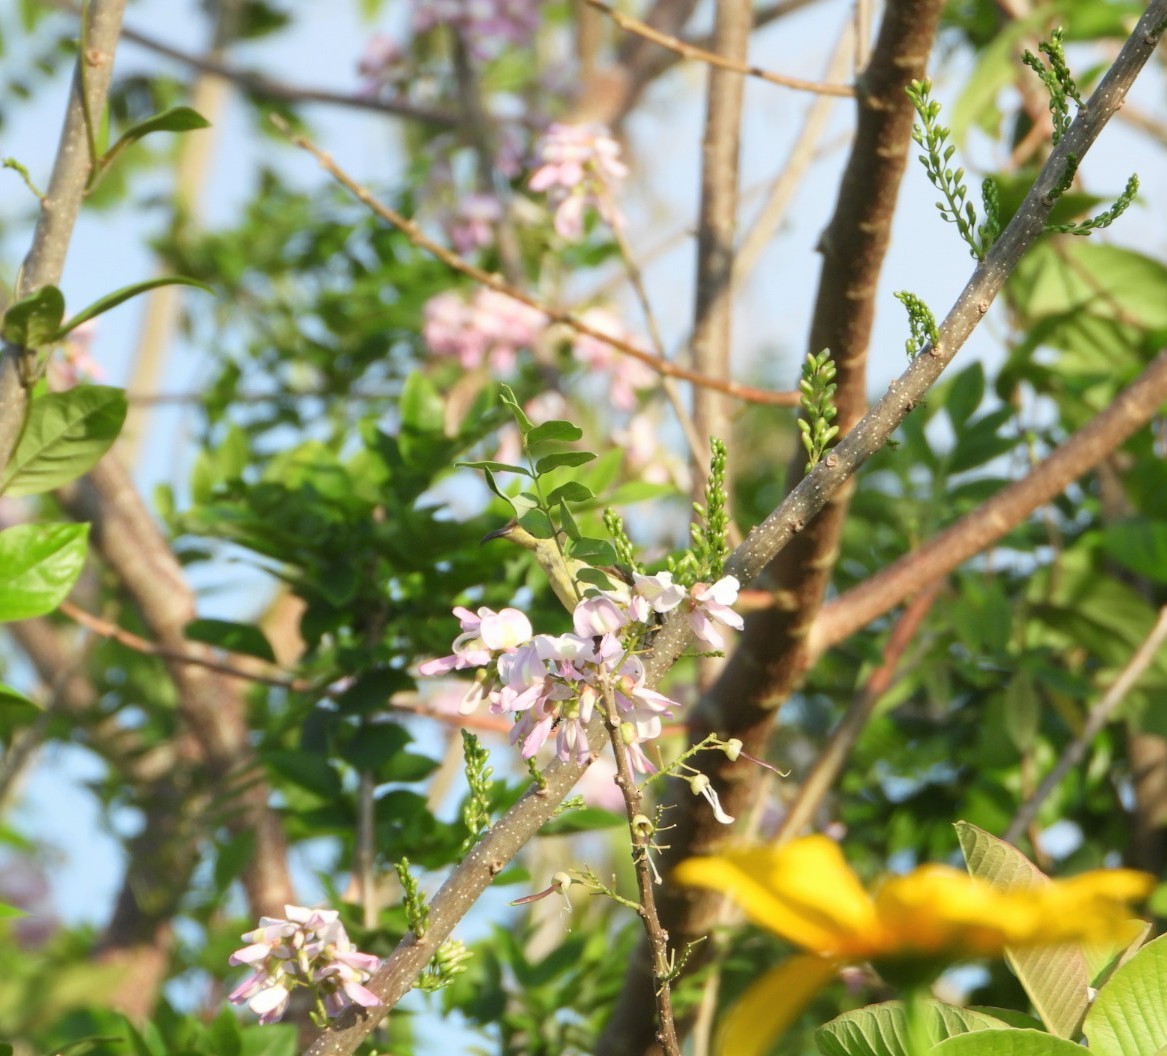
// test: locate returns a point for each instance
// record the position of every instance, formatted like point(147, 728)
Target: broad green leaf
point(232, 858)
point(173, 119)
point(375, 744)
point(572, 491)
point(8, 912)
point(39, 563)
point(1056, 978)
point(594, 551)
point(65, 435)
point(554, 431)
point(112, 300)
point(272, 1039)
point(881, 1030)
point(964, 395)
point(33, 321)
point(1129, 1016)
point(16, 711)
point(564, 458)
point(1007, 1043)
point(243, 638)
point(309, 770)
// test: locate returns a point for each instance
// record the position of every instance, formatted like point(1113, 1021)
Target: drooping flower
point(807, 894)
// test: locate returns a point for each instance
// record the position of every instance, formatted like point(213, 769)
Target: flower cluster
point(383, 63)
point(555, 683)
point(487, 330)
point(578, 165)
point(310, 949)
point(487, 26)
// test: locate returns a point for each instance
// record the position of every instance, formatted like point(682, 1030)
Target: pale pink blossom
point(74, 364)
point(578, 166)
point(487, 330)
point(598, 615)
point(472, 225)
point(711, 606)
point(661, 593)
point(308, 948)
point(383, 62)
point(629, 375)
point(598, 786)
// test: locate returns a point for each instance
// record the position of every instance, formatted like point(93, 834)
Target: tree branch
point(60, 205)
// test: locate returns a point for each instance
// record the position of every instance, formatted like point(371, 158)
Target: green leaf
point(554, 431)
point(1129, 1016)
point(309, 770)
point(1139, 544)
point(65, 435)
point(507, 397)
point(881, 1030)
point(112, 300)
point(421, 406)
point(243, 638)
point(1007, 1043)
point(277, 1039)
point(234, 856)
point(375, 744)
point(495, 467)
point(564, 458)
point(39, 563)
point(33, 321)
point(594, 551)
point(1056, 978)
point(173, 119)
point(572, 491)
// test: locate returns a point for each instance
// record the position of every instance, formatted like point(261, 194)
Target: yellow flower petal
point(804, 891)
point(771, 1004)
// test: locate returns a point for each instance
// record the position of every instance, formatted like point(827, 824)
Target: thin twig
point(243, 669)
point(1099, 716)
point(269, 88)
point(641, 836)
point(493, 282)
point(692, 51)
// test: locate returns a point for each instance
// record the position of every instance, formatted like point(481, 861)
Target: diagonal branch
point(1130, 411)
point(503, 841)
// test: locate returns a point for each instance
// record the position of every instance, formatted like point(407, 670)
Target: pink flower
point(490, 329)
point(599, 615)
point(473, 223)
point(629, 375)
point(711, 605)
point(310, 948)
point(578, 167)
point(488, 26)
point(661, 593)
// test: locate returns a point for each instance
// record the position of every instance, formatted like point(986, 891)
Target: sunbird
point(562, 572)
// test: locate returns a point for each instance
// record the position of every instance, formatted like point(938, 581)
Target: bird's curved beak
point(498, 533)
